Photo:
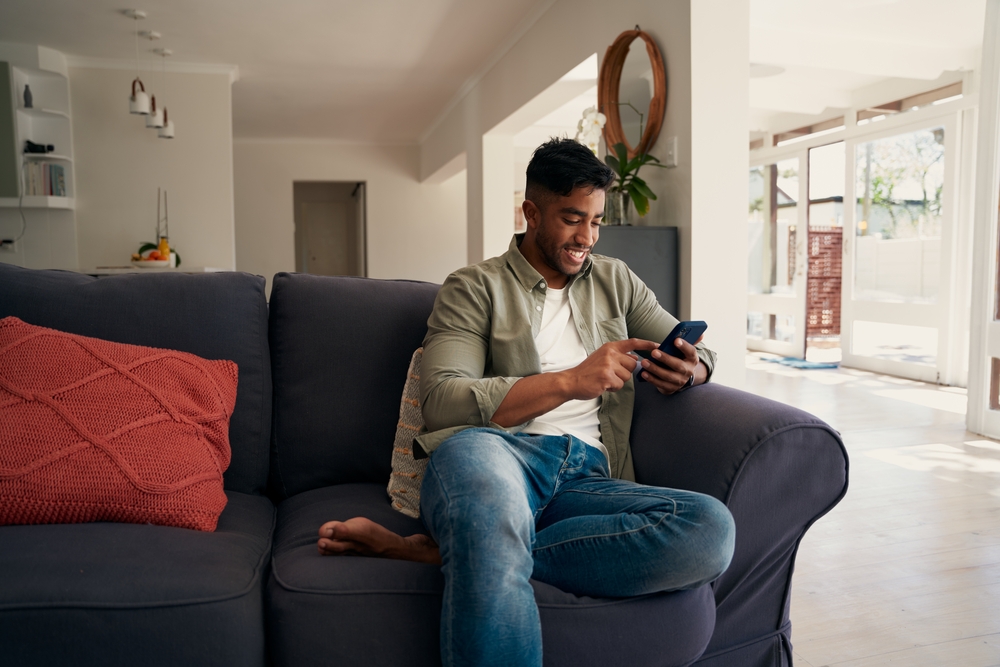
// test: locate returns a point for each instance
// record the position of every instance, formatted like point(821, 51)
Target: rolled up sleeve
point(453, 391)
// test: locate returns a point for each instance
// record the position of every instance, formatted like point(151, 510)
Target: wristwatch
point(689, 383)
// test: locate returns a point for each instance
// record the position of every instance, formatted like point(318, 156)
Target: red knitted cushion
point(92, 430)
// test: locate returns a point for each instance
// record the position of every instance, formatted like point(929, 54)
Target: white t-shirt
point(560, 348)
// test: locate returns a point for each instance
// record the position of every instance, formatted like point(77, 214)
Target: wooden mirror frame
point(607, 92)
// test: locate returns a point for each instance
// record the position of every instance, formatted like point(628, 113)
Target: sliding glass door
point(777, 237)
point(898, 245)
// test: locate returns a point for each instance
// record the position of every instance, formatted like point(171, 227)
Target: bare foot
point(366, 538)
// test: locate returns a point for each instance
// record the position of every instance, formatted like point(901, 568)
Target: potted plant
point(628, 187)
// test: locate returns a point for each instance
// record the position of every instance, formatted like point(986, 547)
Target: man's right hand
point(607, 369)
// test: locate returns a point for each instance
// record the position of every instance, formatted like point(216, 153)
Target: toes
point(327, 529)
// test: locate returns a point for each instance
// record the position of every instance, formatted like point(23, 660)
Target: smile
point(577, 254)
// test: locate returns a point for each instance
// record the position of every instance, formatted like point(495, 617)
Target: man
point(527, 391)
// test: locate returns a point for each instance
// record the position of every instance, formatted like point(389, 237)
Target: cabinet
point(651, 253)
point(44, 224)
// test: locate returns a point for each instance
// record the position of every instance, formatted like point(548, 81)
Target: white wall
point(705, 44)
point(415, 230)
point(119, 164)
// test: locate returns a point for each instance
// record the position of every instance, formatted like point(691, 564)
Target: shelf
point(47, 156)
point(43, 113)
point(68, 203)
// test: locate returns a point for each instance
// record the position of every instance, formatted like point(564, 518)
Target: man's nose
point(587, 236)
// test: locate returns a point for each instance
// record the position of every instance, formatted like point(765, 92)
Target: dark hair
point(560, 165)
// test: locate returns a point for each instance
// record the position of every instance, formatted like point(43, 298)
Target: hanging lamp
point(138, 101)
point(155, 118)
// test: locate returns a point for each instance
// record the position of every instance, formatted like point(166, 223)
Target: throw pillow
point(408, 472)
point(92, 430)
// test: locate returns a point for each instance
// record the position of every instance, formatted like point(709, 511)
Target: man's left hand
point(670, 374)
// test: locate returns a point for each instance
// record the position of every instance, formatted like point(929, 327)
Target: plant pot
point(616, 209)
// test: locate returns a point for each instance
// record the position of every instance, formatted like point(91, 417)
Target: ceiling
point(838, 54)
point(370, 71)
point(384, 70)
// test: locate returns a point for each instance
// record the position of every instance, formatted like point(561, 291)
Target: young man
point(527, 392)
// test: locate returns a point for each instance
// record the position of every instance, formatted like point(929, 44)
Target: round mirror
point(632, 92)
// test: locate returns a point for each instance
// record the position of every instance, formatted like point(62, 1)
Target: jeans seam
point(559, 482)
point(445, 650)
point(665, 516)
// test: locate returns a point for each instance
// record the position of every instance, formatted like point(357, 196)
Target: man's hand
point(670, 374)
point(607, 369)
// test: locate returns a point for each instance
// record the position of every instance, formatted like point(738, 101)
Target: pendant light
point(138, 102)
point(155, 118)
point(167, 130)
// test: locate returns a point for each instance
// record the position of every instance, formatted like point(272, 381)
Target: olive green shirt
point(481, 340)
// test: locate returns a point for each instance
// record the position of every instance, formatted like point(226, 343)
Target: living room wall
point(415, 230)
point(119, 164)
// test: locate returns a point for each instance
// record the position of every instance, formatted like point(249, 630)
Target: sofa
point(321, 371)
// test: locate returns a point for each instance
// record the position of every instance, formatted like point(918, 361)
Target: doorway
point(330, 228)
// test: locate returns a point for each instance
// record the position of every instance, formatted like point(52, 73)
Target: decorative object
point(628, 186)
point(158, 254)
point(103, 431)
point(156, 120)
point(588, 130)
point(609, 92)
point(28, 98)
point(167, 131)
point(37, 149)
point(138, 102)
point(408, 472)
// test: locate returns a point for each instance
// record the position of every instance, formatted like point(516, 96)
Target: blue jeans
point(505, 509)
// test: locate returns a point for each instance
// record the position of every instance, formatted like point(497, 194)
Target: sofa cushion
point(212, 315)
point(408, 472)
point(92, 430)
point(339, 349)
point(352, 610)
point(127, 594)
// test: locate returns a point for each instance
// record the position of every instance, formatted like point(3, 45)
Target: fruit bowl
point(151, 263)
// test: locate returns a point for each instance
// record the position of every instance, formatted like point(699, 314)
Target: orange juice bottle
point(164, 248)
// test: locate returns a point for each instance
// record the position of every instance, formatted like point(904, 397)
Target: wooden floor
point(906, 570)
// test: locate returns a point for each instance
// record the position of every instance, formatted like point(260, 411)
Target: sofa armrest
point(777, 468)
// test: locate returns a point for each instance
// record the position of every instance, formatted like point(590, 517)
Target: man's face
point(562, 232)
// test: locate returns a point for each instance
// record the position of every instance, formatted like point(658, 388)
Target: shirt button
point(538, 307)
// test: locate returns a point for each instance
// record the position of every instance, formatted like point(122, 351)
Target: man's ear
point(532, 215)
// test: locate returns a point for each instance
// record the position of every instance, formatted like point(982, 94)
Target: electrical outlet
point(8, 245)
point(671, 160)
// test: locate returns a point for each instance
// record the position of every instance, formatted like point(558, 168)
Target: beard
point(552, 251)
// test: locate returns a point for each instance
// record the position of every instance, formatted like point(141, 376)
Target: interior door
point(898, 244)
point(778, 261)
point(329, 248)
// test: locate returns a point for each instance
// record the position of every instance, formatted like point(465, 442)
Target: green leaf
point(634, 164)
point(621, 152)
point(639, 199)
point(612, 162)
point(147, 246)
point(641, 186)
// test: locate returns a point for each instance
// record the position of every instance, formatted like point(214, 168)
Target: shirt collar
point(526, 274)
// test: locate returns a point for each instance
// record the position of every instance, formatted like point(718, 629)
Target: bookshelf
point(43, 222)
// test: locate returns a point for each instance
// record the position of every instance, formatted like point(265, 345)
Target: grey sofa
point(321, 374)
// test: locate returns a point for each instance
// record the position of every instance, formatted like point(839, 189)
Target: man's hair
point(559, 166)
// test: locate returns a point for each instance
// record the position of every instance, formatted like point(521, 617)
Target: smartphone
point(689, 331)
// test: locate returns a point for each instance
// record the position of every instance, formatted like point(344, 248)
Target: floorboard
point(906, 570)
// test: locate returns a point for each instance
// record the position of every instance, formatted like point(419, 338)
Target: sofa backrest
point(212, 315)
point(340, 349)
